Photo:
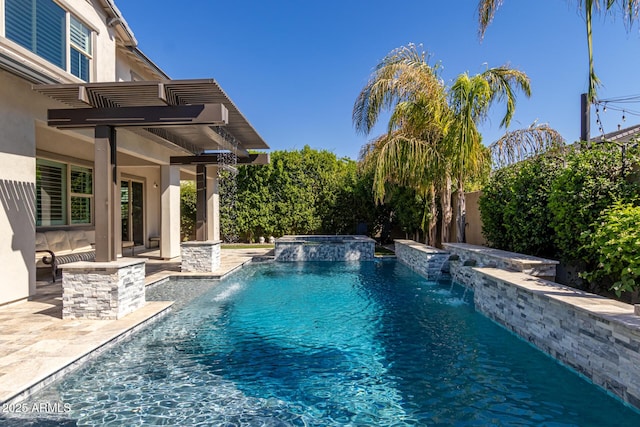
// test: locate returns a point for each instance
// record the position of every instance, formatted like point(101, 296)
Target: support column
point(170, 211)
point(213, 204)
point(106, 194)
point(107, 288)
point(585, 118)
point(201, 203)
point(202, 255)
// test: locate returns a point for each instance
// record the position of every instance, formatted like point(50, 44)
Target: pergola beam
point(214, 159)
point(148, 116)
point(223, 143)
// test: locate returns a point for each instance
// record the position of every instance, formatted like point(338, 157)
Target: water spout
point(227, 173)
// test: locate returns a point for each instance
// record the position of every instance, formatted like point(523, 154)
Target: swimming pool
point(319, 344)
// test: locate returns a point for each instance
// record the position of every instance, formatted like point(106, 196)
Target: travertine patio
point(37, 346)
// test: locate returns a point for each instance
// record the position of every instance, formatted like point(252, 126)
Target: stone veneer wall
point(324, 248)
point(482, 256)
point(596, 336)
point(425, 260)
point(102, 290)
point(202, 257)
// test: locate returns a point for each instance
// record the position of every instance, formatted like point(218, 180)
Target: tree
point(628, 8)
point(470, 99)
point(432, 134)
point(409, 154)
point(398, 161)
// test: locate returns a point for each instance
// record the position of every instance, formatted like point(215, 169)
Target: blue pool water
point(317, 344)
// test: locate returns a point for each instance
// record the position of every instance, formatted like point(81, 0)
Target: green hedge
point(514, 207)
point(299, 192)
point(542, 206)
point(592, 180)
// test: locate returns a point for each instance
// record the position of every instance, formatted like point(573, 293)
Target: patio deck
point(37, 346)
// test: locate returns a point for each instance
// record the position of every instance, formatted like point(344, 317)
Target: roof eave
point(148, 62)
point(117, 21)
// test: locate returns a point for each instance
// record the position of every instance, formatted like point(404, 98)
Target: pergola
point(194, 117)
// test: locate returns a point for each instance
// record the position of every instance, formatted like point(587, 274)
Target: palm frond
point(401, 76)
point(521, 144)
point(403, 160)
point(503, 81)
point(486, 11)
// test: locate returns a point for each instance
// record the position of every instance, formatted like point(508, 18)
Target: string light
point(617, 104)
point(600, 128)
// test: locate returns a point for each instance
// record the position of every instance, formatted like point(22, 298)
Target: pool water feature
point(318, 344)
point(324, 248)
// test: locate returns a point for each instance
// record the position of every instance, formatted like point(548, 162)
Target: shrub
point(543, 205)
point(514, 210)
point(495, 196)
point(299, 192)
point(592, 180)
point(615, 240)
point(187, 210)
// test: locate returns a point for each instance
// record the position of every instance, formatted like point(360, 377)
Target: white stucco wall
point(17, 189)
point(128, 68)
point(24, 135)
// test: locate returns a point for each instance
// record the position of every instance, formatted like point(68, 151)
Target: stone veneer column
point(200, 257)
point(102, 290)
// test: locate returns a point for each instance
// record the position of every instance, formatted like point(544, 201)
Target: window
point(51, 206)
point(64, 194)
point(80, 50)
point(42, 27)
point(81, 195)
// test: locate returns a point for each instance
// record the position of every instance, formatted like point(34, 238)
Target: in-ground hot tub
point(325, 248)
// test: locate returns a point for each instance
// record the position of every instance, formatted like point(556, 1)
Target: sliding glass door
point(132, 211)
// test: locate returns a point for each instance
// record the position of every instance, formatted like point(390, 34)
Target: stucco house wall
point(25, 135)
point(17, 188)
point(66, 159)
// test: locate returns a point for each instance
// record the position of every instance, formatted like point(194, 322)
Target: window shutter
point(80, 36)
point(37, 25)
point(19, 22)
point(51, 193)
point(79, 65)
point(50, 34)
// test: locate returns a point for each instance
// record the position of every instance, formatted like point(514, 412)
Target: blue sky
point(294, 68)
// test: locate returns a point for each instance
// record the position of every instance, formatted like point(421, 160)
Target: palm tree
point(398, 159)
point(629, 9)
point(432, 134)
point(470, 99)
point(409, 154)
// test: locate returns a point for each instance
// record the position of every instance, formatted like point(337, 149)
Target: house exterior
point(622, 136)
point(59, 55)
